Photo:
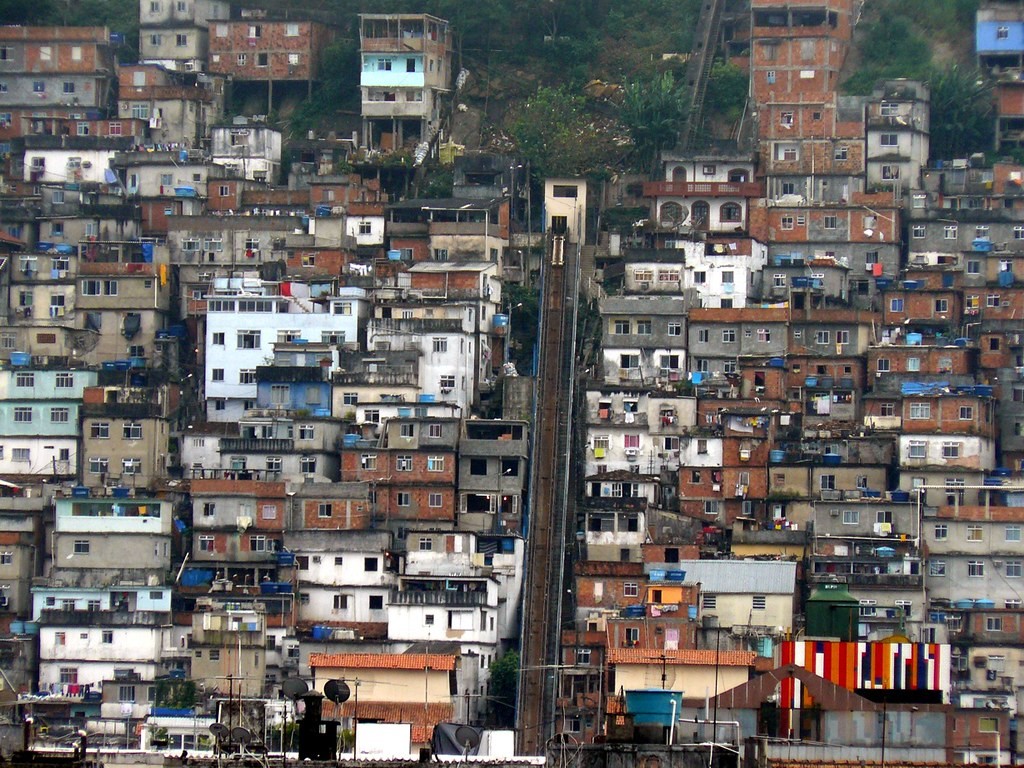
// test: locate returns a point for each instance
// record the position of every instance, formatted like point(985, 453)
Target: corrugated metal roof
point(763, 577)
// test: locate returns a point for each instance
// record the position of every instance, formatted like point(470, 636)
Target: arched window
point(672, 214)
point(679, 173)
point(701, 212)
point(737, 175)
point(731, 212)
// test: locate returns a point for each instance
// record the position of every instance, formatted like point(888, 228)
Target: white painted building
point(726, 273)
point(243, 325)
point(71, 164)
point(247, 149)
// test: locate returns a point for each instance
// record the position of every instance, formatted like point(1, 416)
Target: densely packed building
point(260, 419)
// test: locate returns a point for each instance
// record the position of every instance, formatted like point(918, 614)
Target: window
point(937, 568)
point(206, 543)
point(324, 509)
point(728, 336)
point(941, 532)
point(81, 547)
point(132, 430)
point(949, 232)
point(942, 305)
point(675, 329)
point(920, 410)
point(643, 327)
point(709, 602)
point(404, 499)
point(341, 602)
point(247, 376)
point(439, 344)
point(131, 466)
point(1011, 533)
point(630, 589)
point(434, 500)
point(831, 221)
point(99, 465)
point(21, 455)
point(822, 337)
point(440, 254)
point(60, 415)
point(23, 415)
point(1013, 569)
point(851, 517)
point(786, 222)
point(975, 569)
point(370, 564)
point(1002, 33)
point(842, 337)
point(435, 464)
point(25, 380)
point(975, 533)
point(827, 482)
point(181, 41)
point(307, 465)
point(216, 374)
point(992, 624)
point(889, 140)
point(108, 637)
point(917, 449)
point(248, 339)
point(950, 450)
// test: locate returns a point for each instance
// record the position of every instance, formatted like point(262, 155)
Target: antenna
point(337, 691)
point(241, 735)
point(294, 687)
point(468, 738)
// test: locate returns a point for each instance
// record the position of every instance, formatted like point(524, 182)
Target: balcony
point(701, 189)
point(256, 445)
point(905, 580)
point(439, 597)
point(603, 416)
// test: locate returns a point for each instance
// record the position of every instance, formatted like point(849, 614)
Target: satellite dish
point(294, 687)
point(468, 737)
point(219, 730)
point(241, 735)
point(337, 691)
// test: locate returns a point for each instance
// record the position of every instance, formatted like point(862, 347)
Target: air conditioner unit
point(631, 452)
point(644, 286)
point(997, 563)
point(833, 513)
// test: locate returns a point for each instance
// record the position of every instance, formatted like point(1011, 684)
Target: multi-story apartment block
point(39, 416)
point(228, 644)
point(245, 322)
point(411, 469)
point(897, 135)
point(63, 73)
point(406, 72)
point(125, 430)
point(264, 50)
point(247, 149)
point(175, 33)
point(492, 475)
point(874, 545)
point(644, 341)
point(177, 110)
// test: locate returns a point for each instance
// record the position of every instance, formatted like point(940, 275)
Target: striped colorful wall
point(857, 666)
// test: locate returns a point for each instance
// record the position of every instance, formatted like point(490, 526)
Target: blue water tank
point(425, 398)
point(832, 459)
point(776, 457)
point(901, 495)
point(984, 603)
point(963, 605)
point(350, 441)
point(80, 492)
point(120, 492)
point(654, 706)
point(675, 575)
point(691, 612)
point(777, 362)
point(1005, 279)
point(499, 321)
point(394, 255)
point(21, 358)
point(656, 574)
point(914, 339)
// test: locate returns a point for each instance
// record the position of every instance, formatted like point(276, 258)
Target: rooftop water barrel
point(633, 611)
point(20, 358)
point(964, 604)
point(675, 575)
point(981, 245)
point(656, 574)
point(882, 283)
point(394, 255)
point(500, 322)
point(427, 398)
point(914, 339)
point(350, 441)
point(984, 603)
point(885, 552)
point(120, 492)
point(691, 612)
point(654, 706)
point(1005, 279)
point(776, 457)
point(777, 362)
point(901, 495)
point(832, 459)
point(80, 492)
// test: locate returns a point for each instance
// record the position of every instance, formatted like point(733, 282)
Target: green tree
point(961, 112)
point(552, 131)
point(652, 113)
point(504, 683)
point(892, 47)
point(727, 91)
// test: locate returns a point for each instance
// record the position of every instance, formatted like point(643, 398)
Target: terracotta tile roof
point(393, 711)
point(655, 655)
point(436, 661)
point(422, 719)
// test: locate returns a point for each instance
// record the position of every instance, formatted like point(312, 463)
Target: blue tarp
point(924, 387)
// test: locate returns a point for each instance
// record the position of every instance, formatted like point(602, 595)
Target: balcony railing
point(439, 597)
point(701, 188)
point(256, 444)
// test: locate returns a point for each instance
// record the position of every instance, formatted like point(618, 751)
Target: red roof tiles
point(435, 661)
